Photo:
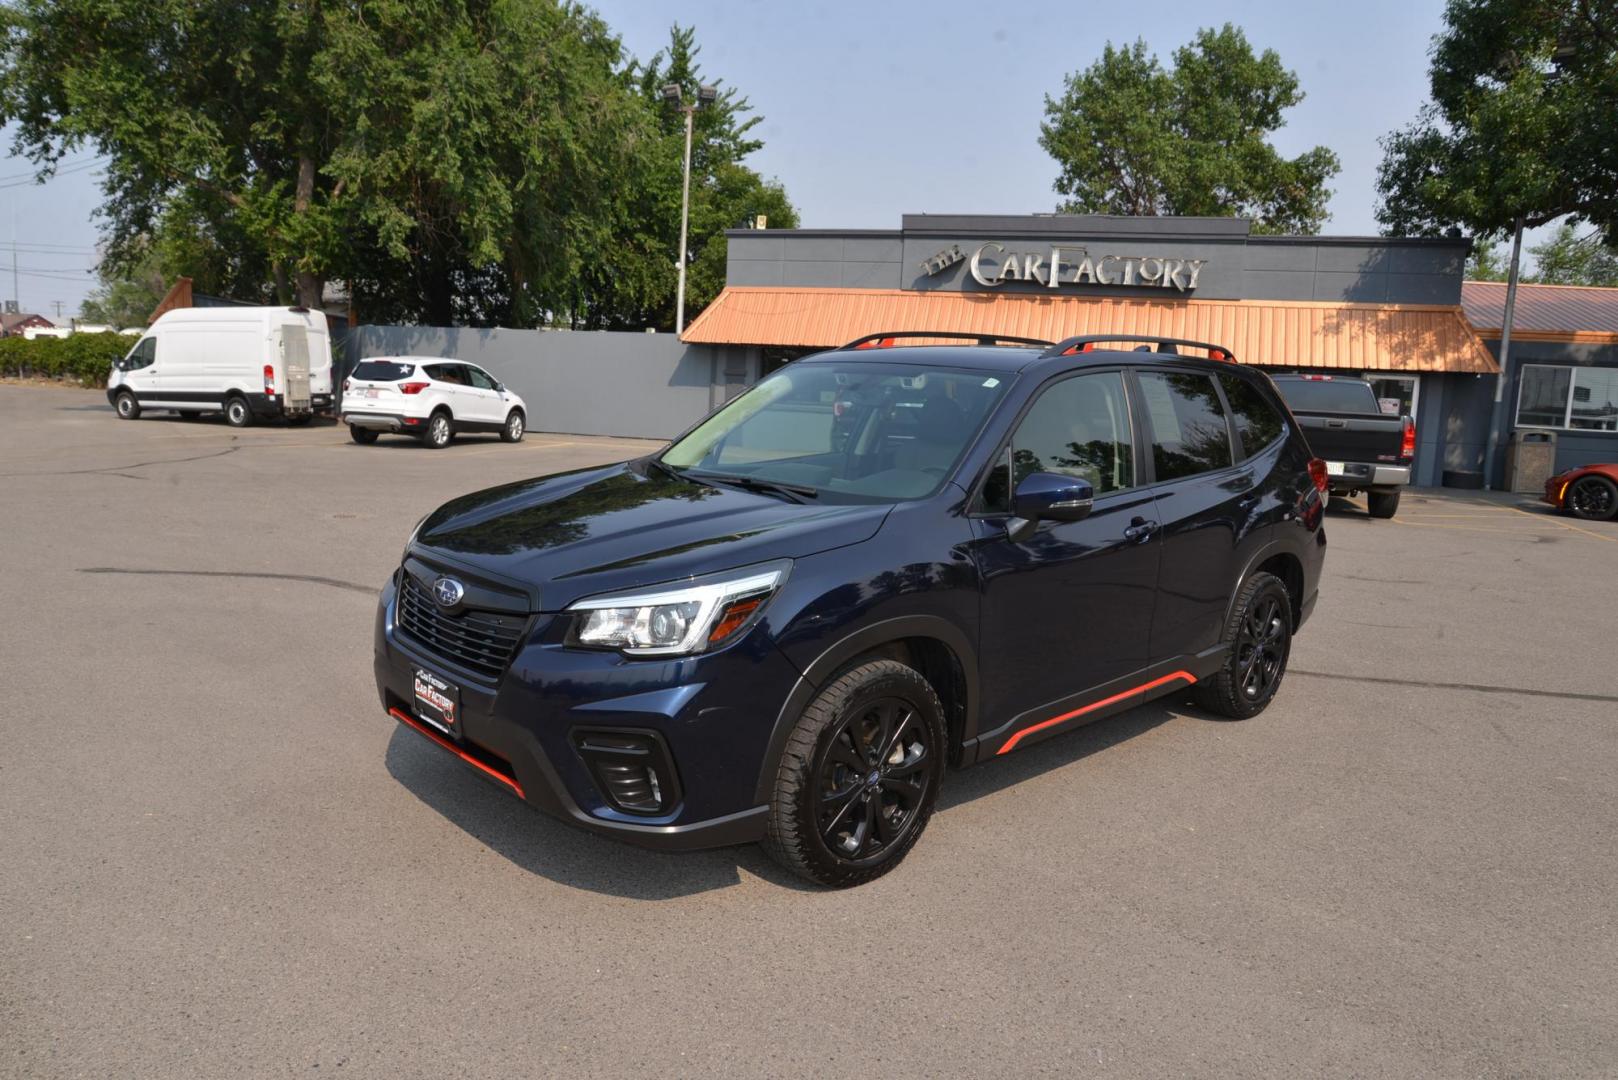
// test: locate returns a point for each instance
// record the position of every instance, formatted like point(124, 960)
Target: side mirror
point(1048, 497)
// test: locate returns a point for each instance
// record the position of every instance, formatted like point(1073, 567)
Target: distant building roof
point(12, 320)
point(1544, 312)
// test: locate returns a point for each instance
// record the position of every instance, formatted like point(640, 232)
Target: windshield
point(853, 432)
point(1322, 395)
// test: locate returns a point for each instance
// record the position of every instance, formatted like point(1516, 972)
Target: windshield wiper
point(668, 470)
point(794, 492)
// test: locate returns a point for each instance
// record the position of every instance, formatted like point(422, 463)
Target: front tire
point(1259, 636)
point(859, 776)
point(514, 428)
point(438, 433)
point(128, 408)
point(1593, 498)
point(1383, 504)
point(237, 414)
point(363, 436)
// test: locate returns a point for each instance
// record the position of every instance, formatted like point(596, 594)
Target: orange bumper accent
point(411, 722)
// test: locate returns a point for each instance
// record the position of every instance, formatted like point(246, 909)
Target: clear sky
point(876, 109)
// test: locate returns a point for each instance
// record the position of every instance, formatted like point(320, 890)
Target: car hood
point(596, 530)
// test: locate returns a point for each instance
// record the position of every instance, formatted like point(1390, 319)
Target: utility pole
point(1497, 415)
point(57, 304)
point(706, 95)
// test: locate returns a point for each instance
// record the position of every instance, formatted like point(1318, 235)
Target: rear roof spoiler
point(1088, 342)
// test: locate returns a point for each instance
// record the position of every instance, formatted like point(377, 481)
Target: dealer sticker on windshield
point(437, 700)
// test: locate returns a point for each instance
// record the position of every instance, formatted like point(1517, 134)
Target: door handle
point(1140, 530)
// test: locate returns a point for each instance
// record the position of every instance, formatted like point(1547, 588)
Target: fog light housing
point(633, 770)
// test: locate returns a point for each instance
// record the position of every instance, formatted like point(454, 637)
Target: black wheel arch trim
point(1257, 559)
point(818, 672)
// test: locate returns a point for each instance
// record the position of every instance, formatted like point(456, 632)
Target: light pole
point(706, 95)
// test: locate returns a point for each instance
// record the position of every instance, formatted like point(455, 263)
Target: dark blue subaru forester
point(876, 562)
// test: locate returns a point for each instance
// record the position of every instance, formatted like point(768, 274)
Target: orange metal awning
point(1272, 333)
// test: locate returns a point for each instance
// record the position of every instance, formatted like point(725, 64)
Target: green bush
point(84, 359)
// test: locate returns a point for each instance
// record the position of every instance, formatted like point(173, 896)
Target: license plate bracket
point(438, 701)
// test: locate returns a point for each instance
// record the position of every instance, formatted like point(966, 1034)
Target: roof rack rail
point(1087, 342)
point(886, 338)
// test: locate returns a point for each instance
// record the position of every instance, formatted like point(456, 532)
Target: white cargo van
point(246, 362)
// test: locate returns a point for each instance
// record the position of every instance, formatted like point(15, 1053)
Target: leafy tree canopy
point(1523, 122)
point(1132, 137)
point(1568, 258)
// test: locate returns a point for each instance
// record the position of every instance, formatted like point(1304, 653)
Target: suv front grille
point(479, 641)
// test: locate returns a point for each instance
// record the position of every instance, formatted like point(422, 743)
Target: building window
point(1578, 399)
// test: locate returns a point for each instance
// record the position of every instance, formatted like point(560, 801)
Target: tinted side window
point(1189, 435)
point(1257, 422)
point(447, 373)
point(1078, 427)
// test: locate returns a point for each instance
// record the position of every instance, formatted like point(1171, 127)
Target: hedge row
point(81, 358)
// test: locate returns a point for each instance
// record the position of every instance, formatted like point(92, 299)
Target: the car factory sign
point(1069, 264)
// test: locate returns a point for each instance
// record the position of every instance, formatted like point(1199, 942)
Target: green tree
point(1523, 123)
point(1570, 259)
point(1485, 263)
point(453, 162)
point(1132, 137)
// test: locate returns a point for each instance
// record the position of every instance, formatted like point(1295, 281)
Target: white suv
point(430, 398)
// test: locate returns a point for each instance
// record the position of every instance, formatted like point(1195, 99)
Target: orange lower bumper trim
point(411, 722)
point(1178, 676)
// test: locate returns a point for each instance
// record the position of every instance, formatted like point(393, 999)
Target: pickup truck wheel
point(859, 776)
point(1382, 504)
point(1259, 634)
point(128, 408)
point(1593, 498)
point(361, 435)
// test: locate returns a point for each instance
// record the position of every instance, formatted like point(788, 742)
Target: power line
point(35, 172)
point(59, 172)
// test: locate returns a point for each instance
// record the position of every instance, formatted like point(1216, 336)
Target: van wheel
point(1382, 504)
point(859, 776)
point(237, 414)
point(438, 433)
point(1593, 498)
point(1259, 634)
point(362, 435)
point(128, 408)
point(513, 430)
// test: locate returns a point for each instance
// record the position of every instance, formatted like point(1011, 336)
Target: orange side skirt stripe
point(1178, 676)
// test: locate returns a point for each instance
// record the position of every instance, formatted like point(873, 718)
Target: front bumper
point(712, 712)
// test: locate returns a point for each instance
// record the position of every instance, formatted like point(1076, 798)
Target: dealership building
point(1395, 311)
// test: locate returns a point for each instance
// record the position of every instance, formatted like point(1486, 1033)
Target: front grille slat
point(479, 641)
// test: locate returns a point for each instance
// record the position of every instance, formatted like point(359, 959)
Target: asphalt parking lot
point(219, 857)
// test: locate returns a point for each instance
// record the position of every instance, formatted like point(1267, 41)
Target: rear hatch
point(377, 386)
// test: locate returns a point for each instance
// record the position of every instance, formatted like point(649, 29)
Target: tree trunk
point(310, 286)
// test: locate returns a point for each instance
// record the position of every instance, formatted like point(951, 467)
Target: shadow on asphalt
point(542, 845)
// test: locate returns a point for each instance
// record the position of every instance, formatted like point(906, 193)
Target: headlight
point(679, 619)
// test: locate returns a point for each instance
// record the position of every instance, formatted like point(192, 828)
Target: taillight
point(1407, 448)
point(269, 379)
point(1317, 473)
point(412, 387)
point(347, 384)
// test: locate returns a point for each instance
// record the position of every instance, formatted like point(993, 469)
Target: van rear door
point(295, 367)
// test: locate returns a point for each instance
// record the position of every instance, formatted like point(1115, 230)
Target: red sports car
point(1588, 491)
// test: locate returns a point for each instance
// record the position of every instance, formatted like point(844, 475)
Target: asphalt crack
point(1566, 695)
point(309, 579)
point(118, 470)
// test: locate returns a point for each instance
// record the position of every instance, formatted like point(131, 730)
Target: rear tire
point(1593, 498)
point(237, 414)
point(363, 436)
point(128, 408)
point(1382, 504)
point(1259, 636)
point(515, 426)
point(438, 433)
point(859, 776)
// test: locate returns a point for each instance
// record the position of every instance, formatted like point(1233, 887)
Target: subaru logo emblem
point(448, 592)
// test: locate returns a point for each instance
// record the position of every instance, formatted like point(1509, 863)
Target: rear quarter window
point(1257, 423)
point(382, 370)
point(1333, 395)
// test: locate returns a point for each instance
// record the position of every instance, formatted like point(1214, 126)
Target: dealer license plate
point(368, 391)
point(1335, 468)
point(438, 701)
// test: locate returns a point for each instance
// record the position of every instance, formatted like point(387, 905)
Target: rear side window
point(447, 373)
point(1189, 434)
point(1257, 422)
point(1328, 395)
point(1078, 427)
point(382, 370)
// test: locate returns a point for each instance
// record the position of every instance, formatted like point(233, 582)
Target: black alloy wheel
point(1593, 498)
point(859, 775)
point(874, 775)
point(1261, 648)
point(1258, 639)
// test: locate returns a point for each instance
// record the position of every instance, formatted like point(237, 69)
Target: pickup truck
point(1365, 449)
